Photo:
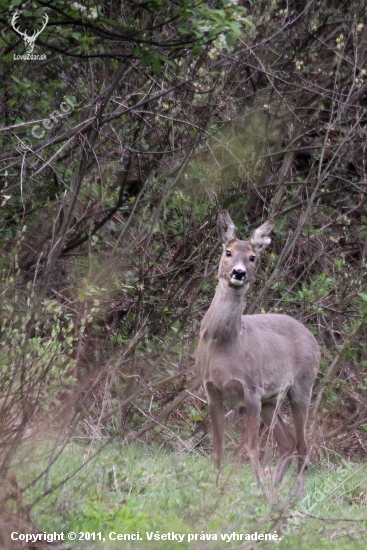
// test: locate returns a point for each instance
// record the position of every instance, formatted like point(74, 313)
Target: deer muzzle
point(238, 277)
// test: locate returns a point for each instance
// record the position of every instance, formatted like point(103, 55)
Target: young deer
point(254, 359)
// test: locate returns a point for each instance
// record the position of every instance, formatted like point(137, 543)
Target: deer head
point(238, 260)
point(29, 41)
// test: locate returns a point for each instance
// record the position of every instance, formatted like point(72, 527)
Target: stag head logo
point(29, 41)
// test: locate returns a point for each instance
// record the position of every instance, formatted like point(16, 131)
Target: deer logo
point(29, 41)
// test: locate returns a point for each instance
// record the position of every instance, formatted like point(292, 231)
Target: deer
point(256, 360)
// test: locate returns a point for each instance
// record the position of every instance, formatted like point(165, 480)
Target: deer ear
point(260, 239)
point(226, 228)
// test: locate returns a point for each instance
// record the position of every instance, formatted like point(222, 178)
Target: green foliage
point(221, 26)
point(37, 345)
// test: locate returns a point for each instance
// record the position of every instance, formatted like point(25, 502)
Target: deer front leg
point(217, 413)
point(251, 438)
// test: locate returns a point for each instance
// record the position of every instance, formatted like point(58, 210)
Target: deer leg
point(282, 435)
point(251, 438)
point(217, 413)
point(300, 408)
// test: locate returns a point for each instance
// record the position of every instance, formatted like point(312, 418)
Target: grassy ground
point(138, 491)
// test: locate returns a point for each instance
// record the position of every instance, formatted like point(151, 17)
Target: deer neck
point(222, 323)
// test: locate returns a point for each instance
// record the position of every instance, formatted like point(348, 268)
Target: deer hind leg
point(216, 413)
point(282, 435)
point(300, 405)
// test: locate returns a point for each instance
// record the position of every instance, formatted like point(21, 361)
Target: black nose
point(239, 274)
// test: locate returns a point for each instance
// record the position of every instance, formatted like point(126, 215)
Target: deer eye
point(252, 258)
point(228, 253)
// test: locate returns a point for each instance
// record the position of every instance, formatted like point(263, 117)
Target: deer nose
point(239, 274)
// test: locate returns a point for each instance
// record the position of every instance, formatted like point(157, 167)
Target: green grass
point(137, 489)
